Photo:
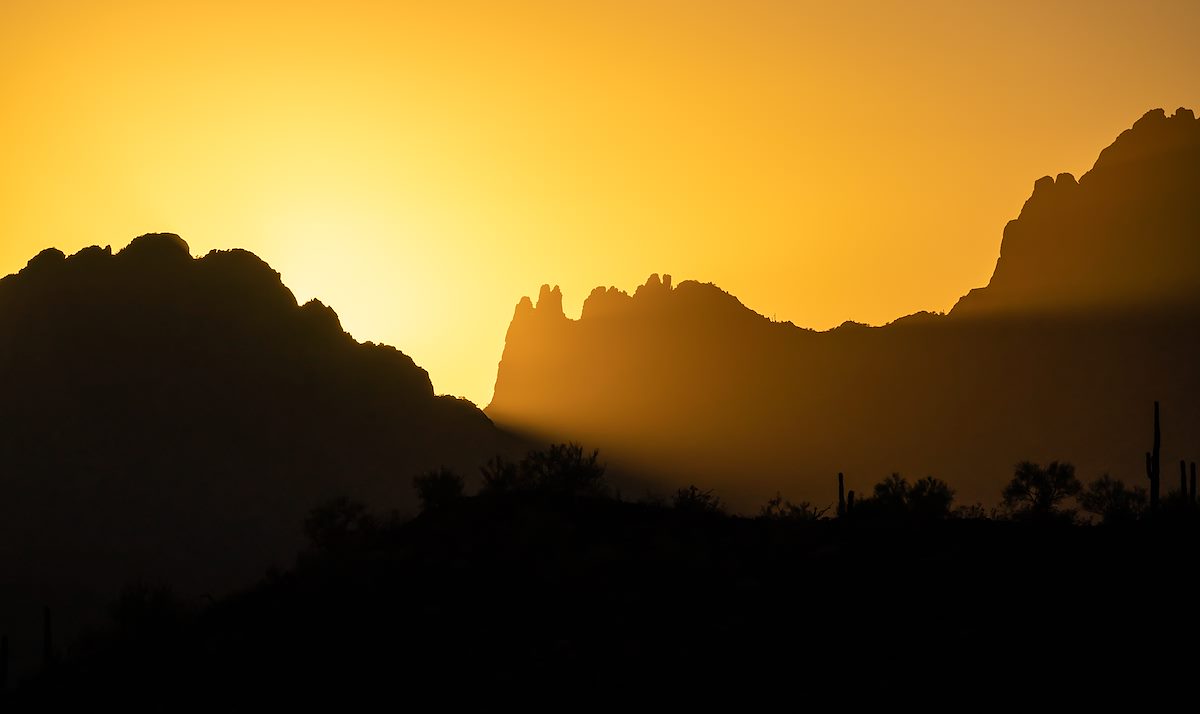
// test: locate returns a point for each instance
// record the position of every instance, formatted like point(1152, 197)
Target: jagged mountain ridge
point(165, 418)
point(1091, 315)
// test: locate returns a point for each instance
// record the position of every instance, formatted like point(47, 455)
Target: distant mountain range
point(171, 419)
point(1092, 314)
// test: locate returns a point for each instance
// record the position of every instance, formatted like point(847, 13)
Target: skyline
point(419, 172)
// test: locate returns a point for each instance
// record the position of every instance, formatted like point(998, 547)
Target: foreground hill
point(171, 419)
point(1093, 313)
point(519, 596)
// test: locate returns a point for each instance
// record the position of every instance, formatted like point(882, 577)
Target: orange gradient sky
point(420, 166)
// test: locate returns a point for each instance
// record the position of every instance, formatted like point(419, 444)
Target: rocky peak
point(654, 286)
point(602, 301)
point(45, 259)
point(1154, 135)
point(1123, 234)
point(166, 246)
point(550, 301)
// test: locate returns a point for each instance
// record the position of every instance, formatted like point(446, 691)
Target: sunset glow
point(421, 166)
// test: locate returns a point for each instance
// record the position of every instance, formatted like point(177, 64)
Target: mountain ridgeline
point(1092, 314)
point(171, 419)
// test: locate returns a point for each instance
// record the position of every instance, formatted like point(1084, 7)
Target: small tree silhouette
point(694, 501)
point(973, 512)
point(560, 468)
point(438, 489)
point(891, 496)
point(777, 509)
point(503, 476)
point(1113, 501)
point(338, 522)
point(1036, 492)
point(895, 498)
point(930, 499)
point(564, 469)
point(148, 610)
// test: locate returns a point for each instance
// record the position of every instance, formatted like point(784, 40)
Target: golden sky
point(421, 166)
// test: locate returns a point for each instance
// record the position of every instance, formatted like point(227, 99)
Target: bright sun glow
point(421, 166)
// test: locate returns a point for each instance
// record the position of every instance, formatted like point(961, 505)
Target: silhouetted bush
point(695, 501)
point(564, 469)
point(338, 523)
point(1036, 493)
point(438, 489)
point(146, 610)
point(503, 476)
point(895, 498)
point(1177, 505)
point(930, 499)
point(1113, 501)
point(653, 499)
point(892, 493)
point(973, 512)
point(777, 509)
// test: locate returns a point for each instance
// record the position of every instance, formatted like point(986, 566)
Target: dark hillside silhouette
point(1093, 314)
point(537, 592)
point(170, 419)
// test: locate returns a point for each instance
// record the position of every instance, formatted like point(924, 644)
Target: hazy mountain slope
point(1090, 317)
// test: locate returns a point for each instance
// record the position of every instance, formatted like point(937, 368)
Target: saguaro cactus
point(47, 639)
point(841, 495)
point(1192, 486)
point(1152, 463)
point(1183, 489)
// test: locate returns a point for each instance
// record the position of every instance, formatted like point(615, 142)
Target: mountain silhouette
point(171, 419)
point(1091, 316)
point(1123, 236)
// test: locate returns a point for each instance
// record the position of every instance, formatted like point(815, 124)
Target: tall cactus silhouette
point(841, 510)
point(1153, 464)
point(47, 640)
point(1192, 486)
